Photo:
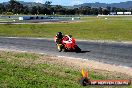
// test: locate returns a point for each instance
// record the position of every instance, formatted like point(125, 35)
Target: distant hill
point(125, 5)
point(26, 3)
point(30, 3)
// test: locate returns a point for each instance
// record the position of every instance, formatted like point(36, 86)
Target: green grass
point(20, 70)
point(114, 28)
point(23, 70)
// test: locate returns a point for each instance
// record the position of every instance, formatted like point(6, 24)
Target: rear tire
point(77, 49)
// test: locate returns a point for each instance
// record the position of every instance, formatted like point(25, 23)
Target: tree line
point(15, 7)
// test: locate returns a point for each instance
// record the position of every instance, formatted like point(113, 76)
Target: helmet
point(59, 35)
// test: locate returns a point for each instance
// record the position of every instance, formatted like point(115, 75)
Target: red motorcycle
point(68, 44)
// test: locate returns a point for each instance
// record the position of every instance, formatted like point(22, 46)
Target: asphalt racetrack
point(111, 53)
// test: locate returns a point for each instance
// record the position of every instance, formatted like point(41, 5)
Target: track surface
point(112, 53)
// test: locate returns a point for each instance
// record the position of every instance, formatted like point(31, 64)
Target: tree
point(58, 9)
point(70, 12)
point(114, 9)
point(26, 10)
point(2, 9)
point(14, 7)
point(109, 9)
point(47, 4)
point(100, 10)
point(105, 11)
point(76, 11)
point(94, 11)
point(34, 10)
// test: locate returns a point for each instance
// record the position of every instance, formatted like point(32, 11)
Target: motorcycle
point(68, 44)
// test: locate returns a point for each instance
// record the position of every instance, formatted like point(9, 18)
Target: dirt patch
point(107, 70)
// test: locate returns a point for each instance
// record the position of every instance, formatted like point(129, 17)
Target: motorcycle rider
point(60, 37)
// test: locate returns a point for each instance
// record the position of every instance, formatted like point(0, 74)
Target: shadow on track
point(83, 51)
point(78, 51)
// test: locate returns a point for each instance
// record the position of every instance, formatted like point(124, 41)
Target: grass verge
point(28, 70)
point(112, 28)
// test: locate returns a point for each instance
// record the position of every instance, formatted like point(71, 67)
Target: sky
point(71, 2)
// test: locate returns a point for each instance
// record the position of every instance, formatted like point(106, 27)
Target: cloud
point(39, 1)
point(76, 2)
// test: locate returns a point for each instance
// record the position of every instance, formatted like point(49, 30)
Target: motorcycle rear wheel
point(77, 49)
